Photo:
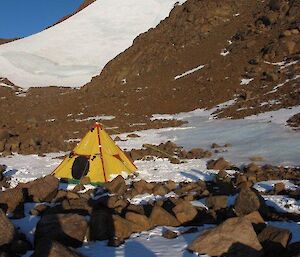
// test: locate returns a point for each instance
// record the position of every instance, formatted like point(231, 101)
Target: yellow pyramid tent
point(96, 156)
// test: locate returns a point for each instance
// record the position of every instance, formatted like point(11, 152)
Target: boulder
point(249, 200)
point(122, 227)
point(160, 217)
point(220, 164)
point(68, 229)
point(160, 190)
point(279, 188)
point(139, 222)
point(48, 248)
point(116, 202)
point(233, 238)
point(143, 186)
point(7, 229)
point(116, 186)
point(216, 202)
point(184, 211)
point(42, 189)
point(101, 226)
point(171, 185)
point(11, 199)
point(274, 240)
point(79, 204)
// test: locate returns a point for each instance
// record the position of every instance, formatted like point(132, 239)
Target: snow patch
point(96, 118)
point(189, 72)
point(72, 52)
point(246, 81)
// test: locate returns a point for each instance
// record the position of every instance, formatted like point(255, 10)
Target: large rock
point(216, 202)
point(79, 204)
point(101, 225)
point(139, 222)
point(233, 238)
point(249, 200)
point(122, 227)
point(143, 186)
point(220, 164)
point(274, 240)
point(184, 211)
point(7, 229)
point(47, 248)
point(42, 189)
point(68, 229)
point(160, 217)
point(11, 199)
point(116, 186)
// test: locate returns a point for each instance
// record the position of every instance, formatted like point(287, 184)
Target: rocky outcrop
point(233, 238)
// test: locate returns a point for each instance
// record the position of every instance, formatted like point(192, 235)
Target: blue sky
point(20, 18)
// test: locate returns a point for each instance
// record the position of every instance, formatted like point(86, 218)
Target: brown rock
point(160, 217)
point(233, 238)
point(80, 204)
point(117, 203)
point(122, 227)
point(42, 189)
point(7, 229)
point(160, 190)
point(85, 181)
point(69, 229)
point(38, 209)
point(217, 202)
point(279, 187)
point(61, 194)
point(169, 234)
point(139, 222)
point(274, 240)
point(71, 195)
point(185, 211)
point(12, 198)
point(220, 164)
point(143, 186)
point(249, 200)
point(170, 185)
point(78, 188)
point(255, 217)
point(116, 186)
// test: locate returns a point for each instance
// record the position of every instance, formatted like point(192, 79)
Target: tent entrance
point(80, 167)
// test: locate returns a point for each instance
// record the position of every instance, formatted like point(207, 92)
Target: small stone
point(169, 234)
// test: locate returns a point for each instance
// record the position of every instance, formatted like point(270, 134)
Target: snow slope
point(70, 53)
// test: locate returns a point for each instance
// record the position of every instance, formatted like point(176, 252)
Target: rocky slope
point(66, 219)
point(203, 54)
